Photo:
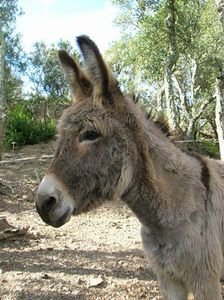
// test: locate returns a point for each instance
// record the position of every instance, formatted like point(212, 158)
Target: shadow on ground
point(78, 262)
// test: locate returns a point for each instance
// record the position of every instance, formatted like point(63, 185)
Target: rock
point(8, 231)
point(80, 281)
point(45, 276)
point(96, 282)
point(50, 248)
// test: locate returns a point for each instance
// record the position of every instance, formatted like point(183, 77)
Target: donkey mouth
point(48, 218)
point(63, 219)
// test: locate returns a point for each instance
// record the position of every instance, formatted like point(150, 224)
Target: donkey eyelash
point(89, 135)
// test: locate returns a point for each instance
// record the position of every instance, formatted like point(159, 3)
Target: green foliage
point(45, 72)
point(197, 32)
point(12, 56)
point(142, 54)
point(22, 128)
point(8, 13)
point(204, 147)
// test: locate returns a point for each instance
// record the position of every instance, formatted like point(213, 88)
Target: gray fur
point(182, 219)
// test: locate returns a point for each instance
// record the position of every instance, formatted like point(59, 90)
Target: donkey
point(107, 149)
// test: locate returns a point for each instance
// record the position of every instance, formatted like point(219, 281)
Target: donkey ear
point(80, 86)
point(102, 78)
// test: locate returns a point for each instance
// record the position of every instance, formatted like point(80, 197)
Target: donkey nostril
point(49, 204)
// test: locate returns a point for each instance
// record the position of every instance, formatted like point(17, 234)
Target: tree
point(220, 113)
point(44, 70)
point(174, 48)
point(49, 89)
point(10, 54)
point(2, 94)
point(220, 89)
point(220, 9)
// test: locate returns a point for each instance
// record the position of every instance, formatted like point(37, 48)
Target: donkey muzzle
point(53, 202)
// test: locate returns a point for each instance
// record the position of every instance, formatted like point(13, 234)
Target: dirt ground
point(95, 256)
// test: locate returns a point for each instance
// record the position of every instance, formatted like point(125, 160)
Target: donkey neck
point(167, 188)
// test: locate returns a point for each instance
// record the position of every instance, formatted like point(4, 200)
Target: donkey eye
point(89, 135)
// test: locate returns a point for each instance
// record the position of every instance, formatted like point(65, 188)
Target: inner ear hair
point(79, 83)
point(66, 60)
point(95, 65)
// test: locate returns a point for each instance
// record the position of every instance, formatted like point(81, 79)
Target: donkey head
point(95, 153)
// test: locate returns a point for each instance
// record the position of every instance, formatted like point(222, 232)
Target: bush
point(205, 147)
point(22, 128)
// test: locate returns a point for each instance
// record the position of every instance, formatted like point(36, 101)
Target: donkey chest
point(162, 248)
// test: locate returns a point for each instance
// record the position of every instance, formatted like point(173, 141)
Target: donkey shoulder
point(216, 184)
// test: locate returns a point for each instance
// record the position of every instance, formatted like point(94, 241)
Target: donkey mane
point(161, 122)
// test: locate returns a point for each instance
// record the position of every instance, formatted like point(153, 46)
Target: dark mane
point(161, 121)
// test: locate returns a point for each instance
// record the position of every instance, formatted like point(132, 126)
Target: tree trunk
point(2, 91)
point(169, 95)
point(220, 90)
point(169, 66)
point(220, 9)
point(214, 127)
point(159, 99)
point(220, 113)
point(190, 133)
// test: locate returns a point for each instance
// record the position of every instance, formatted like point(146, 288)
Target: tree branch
point(181, 96)
point(202, 108)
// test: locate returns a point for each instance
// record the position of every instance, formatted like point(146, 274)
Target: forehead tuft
point(78, 114)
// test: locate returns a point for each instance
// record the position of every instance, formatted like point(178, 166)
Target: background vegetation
point(171, 54)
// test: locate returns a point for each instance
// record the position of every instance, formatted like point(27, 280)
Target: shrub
point(205, 147)
point(22, 128)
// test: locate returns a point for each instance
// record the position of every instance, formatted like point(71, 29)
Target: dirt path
point(95, 256)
